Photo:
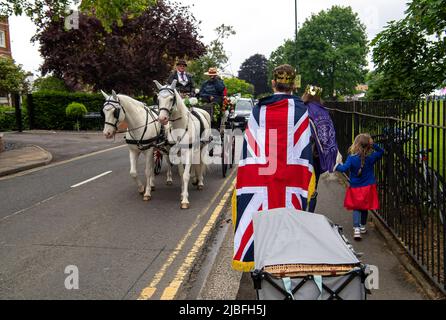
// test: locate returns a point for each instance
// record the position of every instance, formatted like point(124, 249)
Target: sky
point(261, 26)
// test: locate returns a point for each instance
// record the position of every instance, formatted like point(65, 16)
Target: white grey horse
point(143, 134)
point(191, 131)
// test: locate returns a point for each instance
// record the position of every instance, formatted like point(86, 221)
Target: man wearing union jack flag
point(276, 166)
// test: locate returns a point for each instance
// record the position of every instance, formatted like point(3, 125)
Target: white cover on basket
point(289, 236)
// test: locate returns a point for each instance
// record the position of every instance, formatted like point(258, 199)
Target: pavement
point(35, 148)
point(398, 278)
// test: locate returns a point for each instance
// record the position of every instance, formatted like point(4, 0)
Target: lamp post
point(296, 64)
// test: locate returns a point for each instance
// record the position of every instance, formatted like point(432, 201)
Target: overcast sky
point(261, 25)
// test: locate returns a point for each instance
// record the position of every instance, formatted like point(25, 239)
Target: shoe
point(357, 233)
point(363, 229)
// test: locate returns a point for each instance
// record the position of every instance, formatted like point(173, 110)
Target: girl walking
point(362, 194)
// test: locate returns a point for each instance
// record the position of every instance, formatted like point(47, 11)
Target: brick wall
point(4, 26)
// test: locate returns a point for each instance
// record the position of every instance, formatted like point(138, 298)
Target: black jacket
point(188, 88)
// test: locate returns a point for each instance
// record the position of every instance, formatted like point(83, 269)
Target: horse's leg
point(185, 182)
point(149, 175)
point(201, 169)
point(134, 155)
point(169, 171)
point(194, 175)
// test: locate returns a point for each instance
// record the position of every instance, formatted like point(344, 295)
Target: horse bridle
point(142, 144)
point(174, 103)
point(116, 112)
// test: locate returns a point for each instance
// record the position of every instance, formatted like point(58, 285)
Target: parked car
point(240, 115)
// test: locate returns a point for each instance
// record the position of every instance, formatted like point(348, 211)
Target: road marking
point(19, 174)
point(91, 179)
point(148, 292)
point(171, 291)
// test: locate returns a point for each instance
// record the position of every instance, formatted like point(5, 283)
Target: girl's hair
point(361, 147)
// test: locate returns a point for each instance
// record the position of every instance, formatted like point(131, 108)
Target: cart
point(219, 122)
point(303, 256)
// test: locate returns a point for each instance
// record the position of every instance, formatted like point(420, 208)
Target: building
point(5, 48)
point(5, 41)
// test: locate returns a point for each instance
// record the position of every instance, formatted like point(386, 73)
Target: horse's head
point(167, 101)
point(112, 114)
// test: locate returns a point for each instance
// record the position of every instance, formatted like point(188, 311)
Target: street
point(87, 213)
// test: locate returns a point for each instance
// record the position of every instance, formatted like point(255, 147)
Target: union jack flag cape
point(275, 170)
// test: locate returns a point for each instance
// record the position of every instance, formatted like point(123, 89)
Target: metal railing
point(410, 176)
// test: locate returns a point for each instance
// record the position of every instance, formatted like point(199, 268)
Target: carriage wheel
point(224, 157)
point(232, 153)
point(158, 157)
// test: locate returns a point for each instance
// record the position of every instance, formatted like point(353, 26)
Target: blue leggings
point(359, 218)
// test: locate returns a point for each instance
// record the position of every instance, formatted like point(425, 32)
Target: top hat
point(182, 62)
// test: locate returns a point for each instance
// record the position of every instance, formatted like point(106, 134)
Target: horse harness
point(193, 112)
point(142, 144)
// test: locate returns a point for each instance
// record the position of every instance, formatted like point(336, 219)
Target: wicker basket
point(302, 270)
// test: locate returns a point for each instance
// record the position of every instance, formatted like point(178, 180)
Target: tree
point(429, 15)
point(284, 54)
point(383, 88)
point(49, 83)
point(128, 58)
point(215, 55)
point(332, 50)
point(255, 71)
point(236, 85)
point(12, 77)
point(108, 12)
point(410, 54)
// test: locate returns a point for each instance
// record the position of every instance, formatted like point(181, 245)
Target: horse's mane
point(129, 100)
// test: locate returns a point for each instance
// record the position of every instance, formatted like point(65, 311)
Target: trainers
point(363, 229)
point(357, 233)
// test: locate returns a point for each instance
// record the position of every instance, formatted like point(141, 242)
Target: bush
point(75, 110)
point(50, 110)
point(7, 118)
point(50, 83)
point(50, 114)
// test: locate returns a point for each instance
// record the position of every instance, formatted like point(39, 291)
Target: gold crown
point(284, 77)
point(313, 91)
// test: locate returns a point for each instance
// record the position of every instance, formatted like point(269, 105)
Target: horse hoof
point(153, 188)
point(147, 198)
point(169, 183)
point(141, 190)
point(194, 183)
point(185, 206)
point(200, 187)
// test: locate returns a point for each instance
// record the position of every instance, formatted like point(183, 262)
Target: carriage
point(221, 122)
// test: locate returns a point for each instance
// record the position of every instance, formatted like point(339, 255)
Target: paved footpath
point(395, 283)
point(35, 148)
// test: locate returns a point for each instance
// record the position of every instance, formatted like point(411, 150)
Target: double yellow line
point(170, 292)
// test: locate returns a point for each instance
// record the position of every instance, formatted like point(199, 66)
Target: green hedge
point(49, 109)
point(7, 119)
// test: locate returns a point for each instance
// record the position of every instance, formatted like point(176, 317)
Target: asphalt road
point(122, 247)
